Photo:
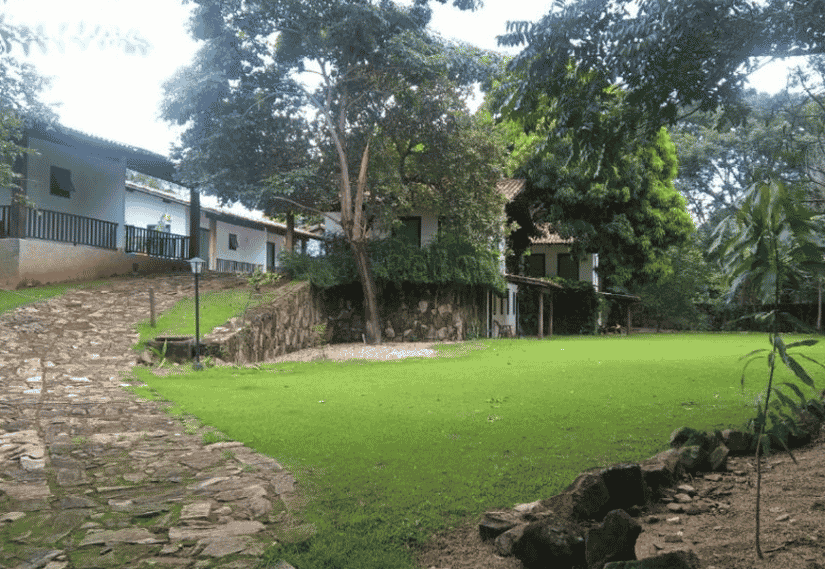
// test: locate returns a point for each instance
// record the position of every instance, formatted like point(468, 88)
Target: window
point(233, 242)
point(61, 182)
point(409, 231)
point(568, 267)
point(535, 265)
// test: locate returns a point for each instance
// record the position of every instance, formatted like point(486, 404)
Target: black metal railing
point(156, 243)
point(226, 266)
point(70, 228)
point(5, 212)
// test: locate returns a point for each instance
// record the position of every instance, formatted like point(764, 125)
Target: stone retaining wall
point(408, 312)
point(291, 322)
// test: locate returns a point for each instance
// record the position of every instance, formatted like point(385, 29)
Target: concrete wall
point(99, 183)
point(144, 209)
point(49, 262)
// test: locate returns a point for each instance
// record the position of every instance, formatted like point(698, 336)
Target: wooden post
point(541, 313)
point(151, 307)
point(819, 303)
point(551, 314)
point(628, 319)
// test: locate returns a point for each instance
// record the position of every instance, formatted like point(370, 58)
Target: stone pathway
point(92, 476)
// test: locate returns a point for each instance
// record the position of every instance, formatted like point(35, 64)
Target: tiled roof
point(548, 236)
point(511, 187)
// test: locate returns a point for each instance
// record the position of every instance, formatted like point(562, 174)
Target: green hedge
point(447, 260)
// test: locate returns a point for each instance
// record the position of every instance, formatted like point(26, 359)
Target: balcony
point(58, 226)
point(156, 243)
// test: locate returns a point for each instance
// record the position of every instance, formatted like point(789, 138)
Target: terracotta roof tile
point(511, 187)
point(548, 236)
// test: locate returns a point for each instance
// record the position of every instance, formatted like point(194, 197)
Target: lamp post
point(197, 268)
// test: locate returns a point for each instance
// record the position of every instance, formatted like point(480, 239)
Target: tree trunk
point(819, 303)
point(372, 325)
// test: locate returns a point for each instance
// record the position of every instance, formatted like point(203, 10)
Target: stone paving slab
point(91, 476)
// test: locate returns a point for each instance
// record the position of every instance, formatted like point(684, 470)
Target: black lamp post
point(197, 268)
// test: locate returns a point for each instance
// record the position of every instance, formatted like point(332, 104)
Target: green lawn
point(215, 309)
point(391, 452)
point(11, 299)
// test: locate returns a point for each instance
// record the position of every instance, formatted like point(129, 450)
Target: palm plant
point(772, 242)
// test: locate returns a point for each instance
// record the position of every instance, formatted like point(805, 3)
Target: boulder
point(719, 458)
point(493, 525)
point(506, 542)
point(680, 436)
point(737, 442)
point(672, 560)
point(661, 471)
point(612, 540)
point(625, 486)
point(586, 498)
point(550, 543)
point(692, 458)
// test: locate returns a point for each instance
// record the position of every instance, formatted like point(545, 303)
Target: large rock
point(493, 526)
point(550, 544)
point(625, 486)
point(719, 458)
point(672, 560)
point(586, 498)
point(506, 542)
point(738, 442)
point(692, 458)
point(661, 471)
point(612, 540)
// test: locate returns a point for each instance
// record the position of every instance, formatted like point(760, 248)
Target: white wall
point(251, 244)
point(99, 182)
point(144, 209)
point(502, 314)
point(5, 196)
point(429, 227)
point(587, 266)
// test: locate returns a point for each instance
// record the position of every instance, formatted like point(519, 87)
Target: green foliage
point(771, 241)
point(691, 54)
point(779, 422)
point(259, 278)
point(448, 259)
point(617, 200)
point(673, 298)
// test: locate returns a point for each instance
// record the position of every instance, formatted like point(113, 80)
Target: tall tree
point(619, 203)
point(362, 53)
point(693, 54)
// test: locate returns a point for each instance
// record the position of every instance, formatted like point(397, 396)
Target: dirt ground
point(792, 517)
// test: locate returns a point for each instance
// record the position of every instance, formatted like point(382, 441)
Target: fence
point(69, 228)
point(226, 266)
point(156, 243)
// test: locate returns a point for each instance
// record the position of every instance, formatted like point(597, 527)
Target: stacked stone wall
point(407, 313)
point(293, 321)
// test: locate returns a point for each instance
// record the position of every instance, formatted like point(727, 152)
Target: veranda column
point(541, 313)
point(290, 231)
point(628, 319)
point(551, 314)
point(194, 223)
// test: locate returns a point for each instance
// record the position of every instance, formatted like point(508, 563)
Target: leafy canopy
point(620, 202)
